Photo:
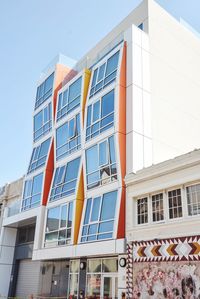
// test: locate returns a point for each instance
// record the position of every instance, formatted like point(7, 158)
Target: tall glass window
point(44, 91)
point(68, 137)
point(32, 192)
point(100, 115)
point(39, 156)
point(42, 122)
point(142, 210)
point(69, 99)
point(105, 74)
point(175, 204)
point(59, 225)
point(99, 217)
point(193, 199)
point(65, 180)
point(101, 165)
point(157, 207)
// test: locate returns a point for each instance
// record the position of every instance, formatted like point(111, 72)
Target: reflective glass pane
point(94, 266)
point(108, 205)
point(107, 104)
point(37, 184)
point(87, 212)
point(112, 63)
point(89, 114)
point(107, 287)
point(59, 175)
point(70, 215)
point(96, 111)
point(92, 229)
point(27, 188)
point(53, 219)
point(103, 153)
point(93, 286)
point(73, 285)
point(101, 72)
point(104, 236)
point(44, 148)
point(94, 77)
point(61, 135)
point(92, 162)
point(63, 220)
point(65, 98)
point(51, 237)
point(46, 114)
point(71, 132)
point(49, 83)
point(72, 170)
point(112, 149)
point(106, 226)
point(74, 266)
point(95, 209)
point(110, 265)
point(38, 121)
point(75, 89)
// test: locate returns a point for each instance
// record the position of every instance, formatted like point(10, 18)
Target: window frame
point(97, 222)
point(60, 107)
point(151, 210)
point(60, 228)
point(102, 62)
point(35, 161)
point(76, 138)
point(186, 199)
point(175, 188)
point(146, 213)
point(53, 196)
point(25, 207)
point(46, 94)
point(101, 129)
point(113, 176)
point(44, 124)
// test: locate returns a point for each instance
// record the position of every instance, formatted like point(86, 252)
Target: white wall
point(138, 101)
point(175, 85)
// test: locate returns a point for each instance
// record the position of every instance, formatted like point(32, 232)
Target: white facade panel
point(138, 151)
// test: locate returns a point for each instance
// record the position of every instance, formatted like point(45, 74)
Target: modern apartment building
point(130, 102)
point(163, 229)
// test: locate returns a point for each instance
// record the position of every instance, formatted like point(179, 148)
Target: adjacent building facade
point(163, 231)
point(110, 114)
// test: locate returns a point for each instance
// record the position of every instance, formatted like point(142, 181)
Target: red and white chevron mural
point(174, 249)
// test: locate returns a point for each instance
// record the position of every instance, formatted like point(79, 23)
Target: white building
point(163, 229)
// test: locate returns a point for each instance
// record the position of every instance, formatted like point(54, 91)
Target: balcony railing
point(14, 208)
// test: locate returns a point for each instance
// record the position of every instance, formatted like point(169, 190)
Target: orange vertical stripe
point(48, 174)
point(122, 142)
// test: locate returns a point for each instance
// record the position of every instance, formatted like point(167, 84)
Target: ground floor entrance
point(109, 286)
point(102, 278)
point(91, 278)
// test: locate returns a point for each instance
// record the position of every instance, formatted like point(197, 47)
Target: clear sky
point(31, 34)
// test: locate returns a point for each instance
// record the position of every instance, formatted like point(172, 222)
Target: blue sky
point(34, 32)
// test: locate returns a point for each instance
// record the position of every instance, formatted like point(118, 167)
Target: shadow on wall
point(171, 280)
